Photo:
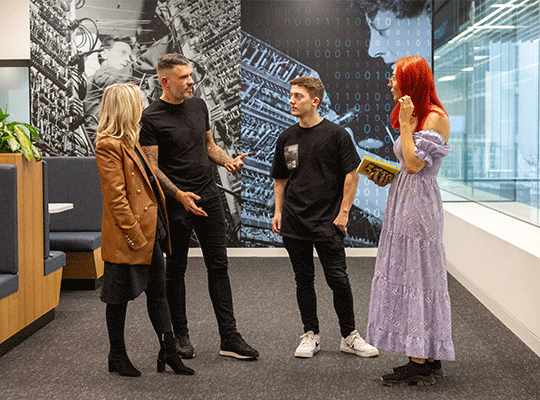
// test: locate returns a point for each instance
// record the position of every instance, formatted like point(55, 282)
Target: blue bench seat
point(9, 240)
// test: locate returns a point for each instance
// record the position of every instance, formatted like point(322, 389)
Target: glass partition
point(487, 74)
point(15, 92)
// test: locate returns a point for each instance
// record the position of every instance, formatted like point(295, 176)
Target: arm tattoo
point(216, 153)
point(168, 187)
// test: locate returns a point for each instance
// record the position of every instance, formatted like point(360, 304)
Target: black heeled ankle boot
point(169, 355)
point(120, 363)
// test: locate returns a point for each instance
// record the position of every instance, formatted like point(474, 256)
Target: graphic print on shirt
point(291, 156)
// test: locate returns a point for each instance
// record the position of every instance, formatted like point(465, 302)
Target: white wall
point(497, 258)
point(15, 30)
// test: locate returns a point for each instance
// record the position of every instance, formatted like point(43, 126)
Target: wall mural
point(243, 55)
point(351, 46)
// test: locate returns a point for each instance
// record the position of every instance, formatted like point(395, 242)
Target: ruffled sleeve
point(430, 145)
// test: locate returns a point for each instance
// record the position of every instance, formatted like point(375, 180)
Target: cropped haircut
point(170, 60)
point(109, 41)
point(313, 86)
point(415, 79)
point(120, 113)
point(400, 8)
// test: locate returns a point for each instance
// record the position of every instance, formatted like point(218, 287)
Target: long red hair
point(414, 78)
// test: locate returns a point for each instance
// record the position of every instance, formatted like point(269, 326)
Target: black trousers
point(212, 238)
point(332, 257)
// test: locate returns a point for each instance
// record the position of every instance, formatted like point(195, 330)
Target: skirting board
point(281, 252)
point(522, 332)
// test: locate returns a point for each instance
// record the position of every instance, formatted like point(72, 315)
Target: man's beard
point(182, 94)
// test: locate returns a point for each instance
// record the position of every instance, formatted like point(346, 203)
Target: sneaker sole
point(235, 355)
point(372, 353)
point(299, 354)
point(418, 380)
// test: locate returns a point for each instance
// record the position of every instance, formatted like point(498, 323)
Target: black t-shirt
point(315, 161)
point(179, 132)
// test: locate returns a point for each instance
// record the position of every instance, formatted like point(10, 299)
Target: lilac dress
point(409, 309)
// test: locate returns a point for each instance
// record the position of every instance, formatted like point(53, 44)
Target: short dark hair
point(314, 86)
point(109, 41)
point(400, 8)
point(168, 61)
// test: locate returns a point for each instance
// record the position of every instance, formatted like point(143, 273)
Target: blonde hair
point(120, 113)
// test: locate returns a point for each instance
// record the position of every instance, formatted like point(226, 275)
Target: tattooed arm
point(218, 155)
point(186, 198)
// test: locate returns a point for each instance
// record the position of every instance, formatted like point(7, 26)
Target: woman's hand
point(406, 111)
point(379, 179)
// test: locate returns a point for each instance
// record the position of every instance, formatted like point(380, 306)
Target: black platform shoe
point(435, 365)
point(169, 355)
point(410, 374)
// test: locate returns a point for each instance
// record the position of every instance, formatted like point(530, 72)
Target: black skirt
point(124, 282)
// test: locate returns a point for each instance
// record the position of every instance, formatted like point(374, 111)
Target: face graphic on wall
point(118, 56)
point(393, 38)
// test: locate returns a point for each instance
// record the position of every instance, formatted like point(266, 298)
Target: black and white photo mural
point(351, 46)
point(101, 42)
point(243, 54)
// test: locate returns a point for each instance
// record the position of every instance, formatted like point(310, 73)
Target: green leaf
point(36, 153)
point(32, 130)
point(24, 140)
point(3, 116)
point(10, 143)
point(14, 139)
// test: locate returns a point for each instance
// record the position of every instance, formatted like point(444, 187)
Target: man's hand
point(379, 179)
point(341, 220)
point(188, 200)
point(236, 163)
point(276, 223)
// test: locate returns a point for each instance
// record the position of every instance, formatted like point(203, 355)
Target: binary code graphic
point(351, 49)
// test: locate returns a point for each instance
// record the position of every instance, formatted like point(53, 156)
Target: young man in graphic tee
point(315, 181)
point(177, 139)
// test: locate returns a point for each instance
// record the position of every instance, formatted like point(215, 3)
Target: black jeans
point(212, 238)
point(332, 258)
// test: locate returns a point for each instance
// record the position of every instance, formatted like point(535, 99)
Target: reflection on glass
point(487, 75)
point(14, 93)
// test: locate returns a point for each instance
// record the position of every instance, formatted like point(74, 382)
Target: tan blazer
point(128, 229)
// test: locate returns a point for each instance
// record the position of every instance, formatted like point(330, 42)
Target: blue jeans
point(332, 258)
point(212, 238)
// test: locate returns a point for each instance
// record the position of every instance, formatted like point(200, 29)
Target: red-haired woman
point(409, 310)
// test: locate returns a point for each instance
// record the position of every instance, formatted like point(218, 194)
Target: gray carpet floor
point(67, 358)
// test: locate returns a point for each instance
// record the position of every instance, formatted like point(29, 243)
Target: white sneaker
point(354, 344)
point(309, 345)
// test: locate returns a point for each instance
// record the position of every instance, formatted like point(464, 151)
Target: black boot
point(169, 355)
point(118, 358)
point(120, 363)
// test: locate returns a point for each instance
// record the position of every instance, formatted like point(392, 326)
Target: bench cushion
point(9, 284)
point(9, 249)
point(55, 261)
point(75, 180)
point(75, 241)
point(46, 217)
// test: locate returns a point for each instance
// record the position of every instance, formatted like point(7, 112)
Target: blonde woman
point(134, 229)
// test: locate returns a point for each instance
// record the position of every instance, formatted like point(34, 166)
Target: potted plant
point(15, 139)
